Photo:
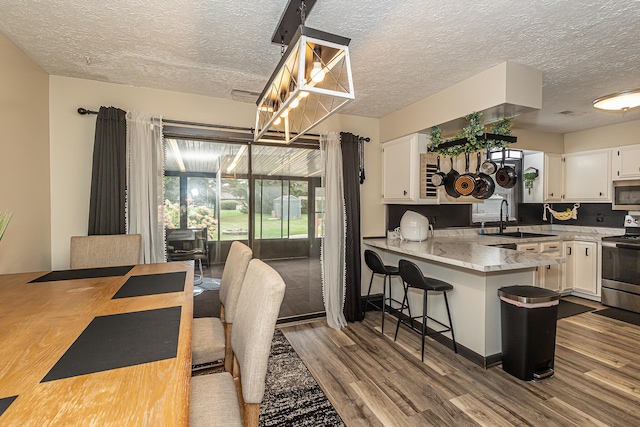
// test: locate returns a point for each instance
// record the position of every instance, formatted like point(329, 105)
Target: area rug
point(568, 309)
point(209, 284)
point(292, 396)
point(622, 315)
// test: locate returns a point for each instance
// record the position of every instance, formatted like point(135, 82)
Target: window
point(489, 211)
point(206, 186)
point(281, 209)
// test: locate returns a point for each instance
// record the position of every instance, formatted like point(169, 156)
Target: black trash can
point(529, 316)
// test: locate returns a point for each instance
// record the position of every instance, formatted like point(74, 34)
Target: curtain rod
point(84, 111)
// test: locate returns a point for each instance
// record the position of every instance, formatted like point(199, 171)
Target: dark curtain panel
point(108, 178)
point(351, 174)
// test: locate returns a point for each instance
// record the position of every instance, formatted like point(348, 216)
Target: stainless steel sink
point(519, 234)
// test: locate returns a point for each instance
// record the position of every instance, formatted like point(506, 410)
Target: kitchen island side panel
point(474, 302)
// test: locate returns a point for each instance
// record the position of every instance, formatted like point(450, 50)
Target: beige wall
point(489, 91)
point(539, 141)
point(24, 154)
point(72, 146)
point(604, 137)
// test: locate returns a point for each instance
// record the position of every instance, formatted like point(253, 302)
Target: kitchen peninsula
point(476, 271)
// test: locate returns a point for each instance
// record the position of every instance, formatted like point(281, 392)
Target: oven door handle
point(625, 246)
point(609, 245)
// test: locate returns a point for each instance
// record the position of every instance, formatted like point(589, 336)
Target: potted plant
point(529, 175)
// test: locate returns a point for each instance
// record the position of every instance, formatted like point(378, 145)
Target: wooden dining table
point(97, 347)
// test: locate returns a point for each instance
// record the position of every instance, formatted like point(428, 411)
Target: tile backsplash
point(445, 216)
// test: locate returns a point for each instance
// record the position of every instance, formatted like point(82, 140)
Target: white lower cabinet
point(548, 276)
point(551, 275)
point(581, 269)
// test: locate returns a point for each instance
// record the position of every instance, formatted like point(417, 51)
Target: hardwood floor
point(373, 381)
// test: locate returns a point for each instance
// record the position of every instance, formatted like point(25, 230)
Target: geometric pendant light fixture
point(312, 81)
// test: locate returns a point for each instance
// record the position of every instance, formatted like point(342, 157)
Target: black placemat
point(568, 309)
point(150, 284)
point(119, 340)
point(622, 315)
point(5, 402)
point(84, 273)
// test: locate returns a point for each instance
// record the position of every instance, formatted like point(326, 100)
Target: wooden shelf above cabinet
point(484, 137)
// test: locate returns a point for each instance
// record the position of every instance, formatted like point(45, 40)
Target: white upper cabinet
point(404, 179)
point(553, 174)
point(626, 162)
point(587, 176)
point(577, 177)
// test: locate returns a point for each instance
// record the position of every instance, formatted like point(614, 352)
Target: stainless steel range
point(621, 270)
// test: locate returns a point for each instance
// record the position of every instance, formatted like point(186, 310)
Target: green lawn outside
point(236, 220)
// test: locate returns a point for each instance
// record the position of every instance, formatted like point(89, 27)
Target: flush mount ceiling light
point(620, 101)
point(311, 82)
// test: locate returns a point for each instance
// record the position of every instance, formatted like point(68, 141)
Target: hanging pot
point(467, 183)
point(449, 182)
point(486, 186)
point(488, 166)
point(506, 176)
point(439, 177)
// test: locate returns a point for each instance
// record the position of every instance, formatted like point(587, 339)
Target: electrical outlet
point(599, 217)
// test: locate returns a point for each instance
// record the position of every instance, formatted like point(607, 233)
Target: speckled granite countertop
point(467, 249)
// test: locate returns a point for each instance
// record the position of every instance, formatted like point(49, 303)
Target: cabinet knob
point(601, 194)
point(586, 251)
point(551, 194)
point(569, 250)
point(405, 192)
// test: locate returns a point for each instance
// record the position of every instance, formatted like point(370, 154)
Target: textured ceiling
point(401, 51)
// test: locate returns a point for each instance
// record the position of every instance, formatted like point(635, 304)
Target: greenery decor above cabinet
point(626, 162)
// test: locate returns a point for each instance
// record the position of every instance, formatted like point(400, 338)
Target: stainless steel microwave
point(626, 195)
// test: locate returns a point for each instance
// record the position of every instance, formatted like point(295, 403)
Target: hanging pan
point(488, 166)
point(467, 183)
point(449, 182)
point(486, 185)
point(439, 177)
point(506, 176)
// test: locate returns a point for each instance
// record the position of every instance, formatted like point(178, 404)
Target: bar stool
point(412, 276)
point(375, 264)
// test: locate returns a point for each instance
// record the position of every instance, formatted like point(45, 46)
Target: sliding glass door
point(267, 196)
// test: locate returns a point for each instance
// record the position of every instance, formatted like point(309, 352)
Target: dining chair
point(233, 399)
point(188, 244)
point(105, 250)
point(211, 336)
